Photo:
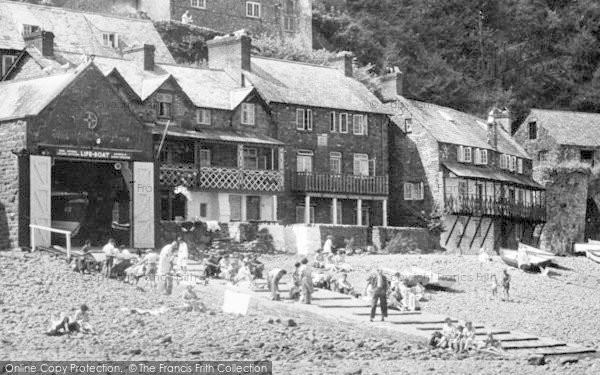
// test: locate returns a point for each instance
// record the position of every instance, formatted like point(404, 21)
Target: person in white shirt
point(306, 282)
point(110, 251)
point(328, 245)
point(165, 265)
point(273, 278)
point(182, 255)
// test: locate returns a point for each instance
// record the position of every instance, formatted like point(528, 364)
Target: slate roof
point(206, 88)
point(448, 125)
point(20, 99)
point(569, 128)
point(490, 173)
point(218, 135)
point(290, 82)
point(76, 31)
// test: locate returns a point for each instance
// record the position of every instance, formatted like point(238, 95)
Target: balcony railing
point(475, 206)
point(331, 183)
point(216, 178)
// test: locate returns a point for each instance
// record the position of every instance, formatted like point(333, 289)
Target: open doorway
point(92, 200)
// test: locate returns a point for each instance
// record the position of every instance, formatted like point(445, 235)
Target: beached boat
point(536, 257)
point(416, 275)
point(593, 255)
point(591, 245)
point(68, 210)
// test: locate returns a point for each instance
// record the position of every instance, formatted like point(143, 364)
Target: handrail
point(67, 234)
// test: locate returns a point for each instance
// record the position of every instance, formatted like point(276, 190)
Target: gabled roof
point(490, 173)
point(290, 82)
point(20, 99)
point(77, 32)
point(569, 128)
point(448, 125)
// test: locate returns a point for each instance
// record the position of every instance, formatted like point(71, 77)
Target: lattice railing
point(262, 180)
point(176, 174)
point(219, 178)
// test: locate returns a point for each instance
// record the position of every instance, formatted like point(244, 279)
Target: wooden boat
point(591, 245)
point(593, 255)
point(416, 275)
point(535, 252)
point(536, 258)
point(68, 210)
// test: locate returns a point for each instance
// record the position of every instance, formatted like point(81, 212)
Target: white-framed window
point(359, 126)
point(464, 154)
point(248, 114)
point(235, 207)
point(344, 123)
point(503, 161)
point(322, 140)
point(335, 162)
point(513, 163)
point(483, 155)
point(332, 122)
point(204, 157)
point(413, 191)
point(361, 164)
point(304, 160)
point(304, 119)
point(252, 9)
point(164, 103)
point(7, 61)
point(288, 23)
point(408, 125)
point(520, 166)
point(203, 116)
point(480, 156)
point(250, 158)
point(30, 29)
point(110, 40)
point(201, 4)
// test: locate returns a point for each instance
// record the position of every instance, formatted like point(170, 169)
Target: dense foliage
point(471, 54)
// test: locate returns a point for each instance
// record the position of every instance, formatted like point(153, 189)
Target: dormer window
point(110, 40)
point(248, 114)
point(164, 103)
point(481, 156)
point(200, 4)
point(203, 116)
point(464, 154)
point(30, 29)
point(252, 9)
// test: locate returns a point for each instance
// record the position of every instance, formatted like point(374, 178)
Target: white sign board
point(235, 303)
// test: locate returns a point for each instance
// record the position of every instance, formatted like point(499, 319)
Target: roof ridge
point(74, 10)
point(564, 111)
point(191, 67)
point(72, 71)
point(294, 62)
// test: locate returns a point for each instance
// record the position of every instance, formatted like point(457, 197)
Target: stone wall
point(12, 138)
point(410, 239)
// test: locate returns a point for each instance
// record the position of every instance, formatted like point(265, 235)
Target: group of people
point(240, 269)
point(461, 338)
point(77, 323)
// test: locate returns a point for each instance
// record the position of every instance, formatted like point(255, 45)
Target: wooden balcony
point(343, 184)
point(215, 178)
point(475, 206)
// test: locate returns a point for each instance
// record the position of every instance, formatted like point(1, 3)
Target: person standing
point(182, 255)
point(296, 282)
point(110, 251)
point(306, 282)
point(380, 287)
point(273, 278)
point(328, 245)
point(506, 284)
point(150, 261)
point(165, 264)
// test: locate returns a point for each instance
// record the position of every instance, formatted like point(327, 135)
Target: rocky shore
point(37, 286)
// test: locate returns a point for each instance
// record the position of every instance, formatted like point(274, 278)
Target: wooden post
point(274, 207)
point(384, 209)
point(334, 204)
point(307, 209)
point(359, 212)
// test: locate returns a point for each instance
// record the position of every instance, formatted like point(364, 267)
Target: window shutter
point(477, 156)
point(421, 191)
point(356, 166)
point(332, 122)
point(365, 125)
point(459, 155)
point(407, 191)
point(309, 119)
point(300, 119)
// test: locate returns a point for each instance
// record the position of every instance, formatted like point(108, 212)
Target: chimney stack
point(43, 41)
point(502, 117)
point(492, 130)
point(343, 62)
point(231, 53)
point(143, 55)
point(391, 85)
point(149, 56)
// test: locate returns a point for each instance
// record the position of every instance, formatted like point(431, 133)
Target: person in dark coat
point(379, 284)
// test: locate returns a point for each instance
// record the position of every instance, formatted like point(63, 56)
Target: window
point(288, 24)
point(288, 18)
point(304, 119)
point(335, 162)
point(250, 158)
point(252, 9)
point(520, 166)
point(359, 125)
point(7, 61)
point(587, 156)
point(361, 164)
point(467, 155)
point(413, 191)
point(164, 103)
point(198, 4)
point(235, 207)
point(542, 155)
point(504, 161)
point(512, 166)
point(483, 157)
point(30, 29)
point(203, 116)
point(172, 206)
point(408, 125)
point(372, 167)
point(110, 40)
point(204, 157)
point(322, 140)
point(332, 122)
point(203, 209)
point(248, 114)
point(304, 161)
point(533, 130)
point(343, 123)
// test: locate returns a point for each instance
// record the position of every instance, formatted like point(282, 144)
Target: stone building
point(565, 147)
point(291, 20)
point(468, 170)
point(334, 130)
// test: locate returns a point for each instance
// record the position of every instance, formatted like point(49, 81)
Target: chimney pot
point(43, 41)
point(344, 63)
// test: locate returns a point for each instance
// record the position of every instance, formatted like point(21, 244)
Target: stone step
point(538, 344)
point(499, 332)
point(568, 350)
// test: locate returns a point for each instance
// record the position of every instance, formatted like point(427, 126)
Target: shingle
point(78, 32)
point(448, 125)
point(569, 128)
point(291, 82)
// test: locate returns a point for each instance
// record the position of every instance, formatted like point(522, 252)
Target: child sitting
point(468, 339)
point(447, 332)
point(456, 338)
